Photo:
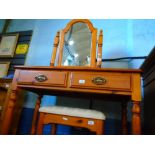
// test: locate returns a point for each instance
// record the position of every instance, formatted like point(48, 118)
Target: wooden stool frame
point(94, 125)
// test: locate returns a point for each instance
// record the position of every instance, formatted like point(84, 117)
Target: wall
point(122, 38)
point(143, 34)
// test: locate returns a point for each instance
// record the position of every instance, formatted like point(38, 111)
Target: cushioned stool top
point(78, 112)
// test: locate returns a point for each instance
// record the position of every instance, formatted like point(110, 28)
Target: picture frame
point(22, 49)
point(4, 67)
point(8, 44)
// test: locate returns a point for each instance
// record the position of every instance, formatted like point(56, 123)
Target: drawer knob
point(41, 78)
point(99, 80)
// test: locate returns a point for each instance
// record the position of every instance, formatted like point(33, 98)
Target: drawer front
point(50, 78)
point(100, 80)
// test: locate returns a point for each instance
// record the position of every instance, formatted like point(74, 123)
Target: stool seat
point(76, 112)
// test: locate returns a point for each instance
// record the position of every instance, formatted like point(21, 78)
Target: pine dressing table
point(74, 72)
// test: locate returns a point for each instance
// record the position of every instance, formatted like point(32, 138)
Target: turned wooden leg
point(124, 118)
point(8, 117)
point(17, 111)
point(136, 120)
point(54, 129)
point(35, 115)
point(100, 127)
point(40, 124)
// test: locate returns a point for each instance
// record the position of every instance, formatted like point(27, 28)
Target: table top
point(73, 68)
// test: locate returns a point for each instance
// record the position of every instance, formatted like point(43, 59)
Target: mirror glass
point(77, 46)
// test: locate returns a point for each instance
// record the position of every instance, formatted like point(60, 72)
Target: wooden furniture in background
point(88, 81)
point(18, 59)
point(148, 75)
point(7, 108)
point(4, 86)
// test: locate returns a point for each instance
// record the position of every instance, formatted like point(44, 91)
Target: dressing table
point(75, 69)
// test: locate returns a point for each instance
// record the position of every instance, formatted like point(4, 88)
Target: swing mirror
point(75, 45)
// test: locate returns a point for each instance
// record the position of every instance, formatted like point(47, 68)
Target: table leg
point(6, 124)
point(136, 120)
point(124, 118)
point(35, 115)
point(40, 124)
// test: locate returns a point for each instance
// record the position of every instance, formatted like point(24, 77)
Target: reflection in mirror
point(77, 46)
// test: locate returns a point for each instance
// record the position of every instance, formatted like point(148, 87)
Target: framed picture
point(8, 44)
point(4, 67)
point(22, 48)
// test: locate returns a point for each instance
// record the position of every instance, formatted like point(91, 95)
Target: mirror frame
point(93, 41)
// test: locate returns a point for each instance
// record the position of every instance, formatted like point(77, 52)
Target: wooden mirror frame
point(59, 41)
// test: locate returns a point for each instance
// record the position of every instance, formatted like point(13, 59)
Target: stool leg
point(100, 127)
point(40, 124)
point(54, 129)
point(35, 115)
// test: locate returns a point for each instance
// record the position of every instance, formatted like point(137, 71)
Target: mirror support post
point(55, 46)
point(99, 53)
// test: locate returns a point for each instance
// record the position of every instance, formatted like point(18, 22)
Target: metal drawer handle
point(41, 78)
point(99, 80)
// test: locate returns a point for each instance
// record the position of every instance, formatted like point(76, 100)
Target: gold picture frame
point(8, 44)
point(4, 67)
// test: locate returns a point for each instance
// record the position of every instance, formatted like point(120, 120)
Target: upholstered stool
point(84, 118)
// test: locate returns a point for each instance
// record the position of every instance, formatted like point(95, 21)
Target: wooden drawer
point(50, 78)
point(112, 81)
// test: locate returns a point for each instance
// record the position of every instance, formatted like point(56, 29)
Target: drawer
point(49, 78)
point(111, 81)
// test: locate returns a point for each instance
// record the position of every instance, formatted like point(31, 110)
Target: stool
point(77, 117)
